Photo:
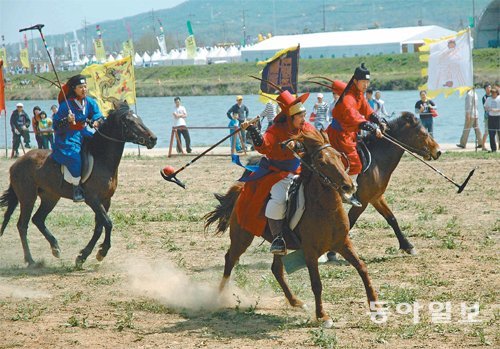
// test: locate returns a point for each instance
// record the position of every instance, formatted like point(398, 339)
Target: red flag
point(2, 88)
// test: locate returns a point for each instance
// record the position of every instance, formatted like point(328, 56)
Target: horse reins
point(312, 167)
point(140, 140)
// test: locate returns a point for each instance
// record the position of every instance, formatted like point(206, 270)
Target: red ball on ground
point(168, 170)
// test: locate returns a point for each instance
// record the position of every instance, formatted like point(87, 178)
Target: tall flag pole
point(282, 69)
point(100, 53)
point(2, 104)
point(24, 55)
point(3, 52)
point(161, 40)
point(450, 67)
point(190, 42)
point(128, 45)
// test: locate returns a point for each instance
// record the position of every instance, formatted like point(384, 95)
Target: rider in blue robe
point(70, 128)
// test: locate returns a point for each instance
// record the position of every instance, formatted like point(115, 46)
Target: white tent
point(119, 57)
point(110, 58)
point(146, 58)
point(138, 59)
point(347, 43)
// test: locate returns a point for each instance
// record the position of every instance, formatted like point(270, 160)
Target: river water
point(211, 111)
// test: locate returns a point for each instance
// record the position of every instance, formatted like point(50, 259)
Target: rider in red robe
point(275, 172)
point(351, 114)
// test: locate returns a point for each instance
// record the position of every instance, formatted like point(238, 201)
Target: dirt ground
point(157, 288)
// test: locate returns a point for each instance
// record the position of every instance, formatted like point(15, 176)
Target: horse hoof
point(56, 252)
point(99, 256)
point(411, 251)
point(328, 323)
point(79, 262)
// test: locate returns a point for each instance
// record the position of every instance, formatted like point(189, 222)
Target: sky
point(61, 16)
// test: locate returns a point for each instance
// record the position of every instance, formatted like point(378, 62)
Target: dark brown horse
point(408, 130)
point(37, 174)
point(385, 157)
point(324, 225)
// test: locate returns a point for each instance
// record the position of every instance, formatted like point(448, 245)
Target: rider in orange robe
point(275, 172)
point(351, 114)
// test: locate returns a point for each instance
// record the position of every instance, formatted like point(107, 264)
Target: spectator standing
point(381, 112)
point(19, 124)
point(180, 115)
point(233, 125)
point(46, 131)
point(424, 108)
point(487, 93)
point(242, 111)
point(471, 115)
point(320, 111)
point(268, 113)
point(492, 106)
point(34, 122)
point(373, 103)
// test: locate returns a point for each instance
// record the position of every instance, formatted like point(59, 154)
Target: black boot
point(78, 193)
point(278, 246)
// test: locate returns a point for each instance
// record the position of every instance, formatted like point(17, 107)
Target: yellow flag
point(3, 56)
point(190, 46)
point(111, 82)
point(25, 60)
point(100, 53)
point(128, 48)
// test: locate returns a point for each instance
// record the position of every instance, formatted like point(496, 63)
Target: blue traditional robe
point(68, 137)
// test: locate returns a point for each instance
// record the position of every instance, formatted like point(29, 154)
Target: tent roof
point(352, 38)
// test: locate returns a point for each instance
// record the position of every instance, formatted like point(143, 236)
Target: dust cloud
point(14, 291)
point(172, 287)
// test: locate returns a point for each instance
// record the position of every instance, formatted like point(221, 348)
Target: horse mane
point(310, 138)
point(406, 118)
point(110, 123)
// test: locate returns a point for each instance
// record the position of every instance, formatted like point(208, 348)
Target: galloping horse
point(408, 130)
point(324, 225)
point(37, 174)
point(385, 157)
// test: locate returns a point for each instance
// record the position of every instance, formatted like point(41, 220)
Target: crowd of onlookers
point(20, 123)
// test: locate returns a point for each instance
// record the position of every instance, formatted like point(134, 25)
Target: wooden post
point(171, 142)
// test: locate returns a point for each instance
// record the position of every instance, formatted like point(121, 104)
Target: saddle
point(363, 152)
point(87, 166)
point(295, 206)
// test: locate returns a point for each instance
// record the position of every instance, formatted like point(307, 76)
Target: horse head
point(324, 160)
point(409, 130)
point(124, 125)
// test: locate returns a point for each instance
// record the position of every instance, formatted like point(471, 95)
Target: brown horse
point(408, 130)
point(37, 174)
point(324, 225)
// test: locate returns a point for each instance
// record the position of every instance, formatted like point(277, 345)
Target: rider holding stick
point(275, 172)
point(351, 114)
point(70, 128)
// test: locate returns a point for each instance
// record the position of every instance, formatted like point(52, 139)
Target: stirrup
point(351, 200)
point(278, 246)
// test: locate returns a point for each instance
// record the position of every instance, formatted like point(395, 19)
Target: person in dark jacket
point(19, 124)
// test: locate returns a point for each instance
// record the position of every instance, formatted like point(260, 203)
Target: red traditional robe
point(347, 116)
point(251, 204)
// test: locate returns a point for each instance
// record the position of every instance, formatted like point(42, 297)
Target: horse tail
point(223, 211)
point(8, 199)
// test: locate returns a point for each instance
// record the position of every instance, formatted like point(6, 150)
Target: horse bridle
point(140, 140)
point(311, 167)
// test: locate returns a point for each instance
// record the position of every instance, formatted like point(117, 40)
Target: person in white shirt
point(381, 111)
point(471, 120)
point(180, 115)
point(492, 106)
